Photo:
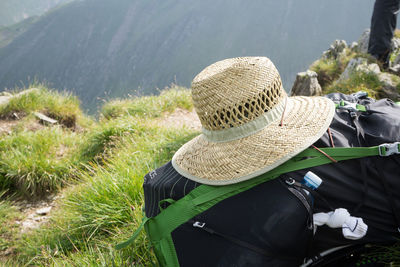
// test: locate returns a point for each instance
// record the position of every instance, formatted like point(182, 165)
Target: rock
point(354, 46)
point(6, 96)
point(44, 119)
point(363, 42)
point(28, 225)
point(389, 89)
point(359, 65)
point(336, 49)
point(395, 44)
point(4, 99)
point(306, 84)
point(396, 61)
point(43, 211)
point(5, 93)
point(395, 69)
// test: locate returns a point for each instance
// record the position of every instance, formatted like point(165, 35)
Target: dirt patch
point(31, 216)
point(34, 126)
point(179, 118)
point(6, 127)
point(36, 213)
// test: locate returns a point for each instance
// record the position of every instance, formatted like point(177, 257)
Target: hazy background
point(101, 48)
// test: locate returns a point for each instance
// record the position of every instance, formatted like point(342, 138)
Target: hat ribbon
point(247, 129)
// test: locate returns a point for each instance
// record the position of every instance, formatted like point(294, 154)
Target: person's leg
point(383, 24)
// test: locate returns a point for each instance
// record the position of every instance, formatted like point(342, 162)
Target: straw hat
point(250, 125)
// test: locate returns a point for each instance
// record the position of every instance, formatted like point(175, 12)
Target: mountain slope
point(7, 34)
point(97, 46)
point(12, 11)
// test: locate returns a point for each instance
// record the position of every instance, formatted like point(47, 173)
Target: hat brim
point(305, 120)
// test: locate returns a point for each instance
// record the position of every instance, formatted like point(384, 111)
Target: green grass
point(329, 69)
point(103, 137)
point(104, 167)
point(106, 208)
point(149, 106)
point(63, 107)
point(367, 82)
point(34, 164)
point(8, 229)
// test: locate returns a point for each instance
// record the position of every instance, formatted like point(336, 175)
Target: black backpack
point(268, 220)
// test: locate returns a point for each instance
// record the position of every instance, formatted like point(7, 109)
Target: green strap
point(205, 196)
point(134, 236)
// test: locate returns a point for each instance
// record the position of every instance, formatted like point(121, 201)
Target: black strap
point(363, 161)
point(299, 191)
point(314, 193)
point(306, 204)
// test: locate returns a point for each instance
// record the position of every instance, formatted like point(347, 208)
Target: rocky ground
point(356, 61)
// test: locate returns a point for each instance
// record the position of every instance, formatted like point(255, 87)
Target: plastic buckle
point(348, 106)
point(386, 150)
point(198, 224)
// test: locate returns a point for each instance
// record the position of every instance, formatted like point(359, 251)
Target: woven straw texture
point(235, 92)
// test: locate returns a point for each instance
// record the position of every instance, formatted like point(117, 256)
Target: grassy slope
point(102, 205)
point(36, 162)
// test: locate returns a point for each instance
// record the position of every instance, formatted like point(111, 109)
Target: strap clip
point(389, 149)
point(350, 106)
point(199, 224)
point(290, 181)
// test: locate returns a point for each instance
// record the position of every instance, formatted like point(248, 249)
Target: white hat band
point(247, 129)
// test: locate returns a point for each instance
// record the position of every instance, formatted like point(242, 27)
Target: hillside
point(47, 166)
point(101, 49)
point(9, 33)
point(12, 12)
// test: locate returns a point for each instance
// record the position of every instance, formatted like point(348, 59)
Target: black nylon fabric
point(164, 183)
point(343, 183)
point(270, 217)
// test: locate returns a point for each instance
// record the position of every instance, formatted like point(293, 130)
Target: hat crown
point(235, 91)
